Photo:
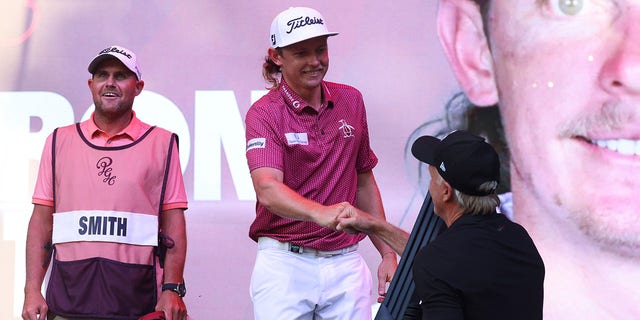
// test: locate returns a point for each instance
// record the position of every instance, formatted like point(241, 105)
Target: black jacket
point(482, 267)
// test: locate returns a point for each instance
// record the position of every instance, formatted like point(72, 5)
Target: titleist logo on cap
point(302, 21)
point(116, 50)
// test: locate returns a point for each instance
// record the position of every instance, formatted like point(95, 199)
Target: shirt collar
point(133, 131)
point(470, 219)
point(294, 101)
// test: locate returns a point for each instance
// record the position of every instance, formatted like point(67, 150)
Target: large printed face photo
point(566, 78)
point(563, 76)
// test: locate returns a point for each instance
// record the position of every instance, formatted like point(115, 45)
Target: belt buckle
point(296, 248)
point(326, 254)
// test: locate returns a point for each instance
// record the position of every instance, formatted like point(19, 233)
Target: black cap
point(463, 159)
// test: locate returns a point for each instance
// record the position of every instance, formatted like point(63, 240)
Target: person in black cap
point(483, 266)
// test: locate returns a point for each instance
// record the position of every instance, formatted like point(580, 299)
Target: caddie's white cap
point(126, 56)
point(297, 24)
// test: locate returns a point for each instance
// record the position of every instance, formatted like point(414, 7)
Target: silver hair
point(477, 205)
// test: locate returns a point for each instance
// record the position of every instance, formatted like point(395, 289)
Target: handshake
point(349, 219)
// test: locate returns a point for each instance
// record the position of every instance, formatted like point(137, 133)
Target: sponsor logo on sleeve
point(256, 143)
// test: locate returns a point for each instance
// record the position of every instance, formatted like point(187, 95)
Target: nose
point(111, 81)
point(621, 71)
point(314, 59)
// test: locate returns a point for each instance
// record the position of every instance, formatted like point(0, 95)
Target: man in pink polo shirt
point(309, 155)
point(107, 190)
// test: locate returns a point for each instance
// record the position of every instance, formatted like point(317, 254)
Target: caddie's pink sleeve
point(43, 192)
point(175, 195)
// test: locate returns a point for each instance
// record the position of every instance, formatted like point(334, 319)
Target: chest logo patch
point(105, 170)
point(297, 138)
point(347, 130)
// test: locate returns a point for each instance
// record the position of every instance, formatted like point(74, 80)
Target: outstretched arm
point(369, 200)
point(285, 202)
point(353, 220)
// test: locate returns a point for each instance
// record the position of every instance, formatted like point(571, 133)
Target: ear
point(274, 56)
point(461, 33)
point(139, 86)
point(447, 191)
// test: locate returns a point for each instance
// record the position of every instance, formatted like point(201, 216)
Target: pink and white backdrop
point(201, 62)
